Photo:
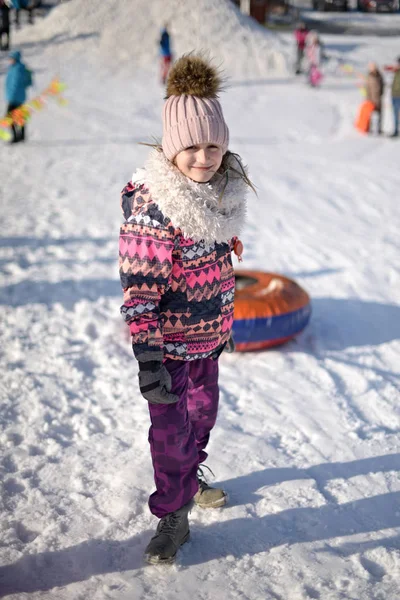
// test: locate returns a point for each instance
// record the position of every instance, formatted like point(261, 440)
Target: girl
point(183, 213)
point(314, 58)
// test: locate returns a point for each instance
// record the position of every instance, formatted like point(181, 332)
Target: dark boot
point(15, 136)
point(172, 531)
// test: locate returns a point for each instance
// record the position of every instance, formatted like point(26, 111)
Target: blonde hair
point(237, 169)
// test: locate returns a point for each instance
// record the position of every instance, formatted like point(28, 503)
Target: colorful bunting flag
point(23, 113)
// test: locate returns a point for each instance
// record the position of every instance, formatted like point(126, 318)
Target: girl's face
point(199, 162)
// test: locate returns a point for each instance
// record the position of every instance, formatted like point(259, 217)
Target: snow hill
point(127, 31)
point(307, 441)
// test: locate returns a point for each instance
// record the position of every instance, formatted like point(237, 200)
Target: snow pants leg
point(379, 123)
point(378, 113)
point(18, 132)
point(179, 433)
point(165, 67)
point(396, 114)
point(203, 396)
point(299, 60)
point(5, 40)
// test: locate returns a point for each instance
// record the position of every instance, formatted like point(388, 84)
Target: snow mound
point(127, 33)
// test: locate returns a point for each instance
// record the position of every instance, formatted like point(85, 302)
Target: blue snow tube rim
point(270, 309)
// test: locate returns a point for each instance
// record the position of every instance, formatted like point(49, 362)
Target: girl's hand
point(154, 379)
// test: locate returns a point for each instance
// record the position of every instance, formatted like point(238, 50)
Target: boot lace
point(202, 479)
point(200, 472)
point(169, 524)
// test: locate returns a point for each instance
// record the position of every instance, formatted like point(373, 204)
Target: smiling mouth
point(203, 168)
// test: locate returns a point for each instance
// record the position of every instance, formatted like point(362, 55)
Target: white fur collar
point(195, 208)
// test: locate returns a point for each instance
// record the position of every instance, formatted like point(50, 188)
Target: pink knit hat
point(192, 113)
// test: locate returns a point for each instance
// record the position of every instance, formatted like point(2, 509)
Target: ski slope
point(307, 441)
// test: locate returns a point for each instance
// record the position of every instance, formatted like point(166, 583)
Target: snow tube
point(364, 116)
point(269, 310)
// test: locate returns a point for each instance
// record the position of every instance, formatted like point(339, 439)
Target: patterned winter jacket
point(175, 259)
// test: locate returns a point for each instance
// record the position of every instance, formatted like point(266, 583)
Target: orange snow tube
point(364, 116)
point(269, 310)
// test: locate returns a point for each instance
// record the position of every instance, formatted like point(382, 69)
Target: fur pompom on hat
point(194, 76)
point(192, 113)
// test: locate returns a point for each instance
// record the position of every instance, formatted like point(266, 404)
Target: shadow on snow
point(44, 571)
point(67, 292)
point(239, 537)
point(35, 242)
point(341, 323)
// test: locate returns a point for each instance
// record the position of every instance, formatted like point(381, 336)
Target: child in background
point(18, 79)
point(300, 35)
point(182, 215)
point(166, 54)
point(314, 57)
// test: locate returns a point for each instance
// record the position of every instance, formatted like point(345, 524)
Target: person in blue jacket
point(166, 54)
point(17, 80)
point(20, 5)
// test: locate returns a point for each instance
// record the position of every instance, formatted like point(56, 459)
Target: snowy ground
point(307, 443)
point(354, 23)
point(370, 20)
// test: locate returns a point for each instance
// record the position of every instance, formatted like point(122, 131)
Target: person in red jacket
point(301, 38)
point(183, 213)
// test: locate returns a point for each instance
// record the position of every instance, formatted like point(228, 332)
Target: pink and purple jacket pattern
point(178, 293)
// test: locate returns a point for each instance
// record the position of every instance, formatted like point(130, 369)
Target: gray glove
point(154, 379)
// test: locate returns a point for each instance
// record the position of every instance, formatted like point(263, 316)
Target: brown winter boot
point(207, 496)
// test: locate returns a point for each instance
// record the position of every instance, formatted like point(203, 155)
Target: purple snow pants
point(179, 432)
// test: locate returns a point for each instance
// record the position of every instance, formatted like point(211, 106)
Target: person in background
point(395, 95)
point(166, 55)
point(4, 25)
point(314, 58)
point(17, 80)
point(301, 37)
point(22, 5)
point(374, 86)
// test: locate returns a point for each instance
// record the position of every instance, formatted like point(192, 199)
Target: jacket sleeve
point(145, 267)
point(11, 85)
point(15, 85)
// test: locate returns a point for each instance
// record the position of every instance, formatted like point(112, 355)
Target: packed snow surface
point(359, 19)
point(307, 441)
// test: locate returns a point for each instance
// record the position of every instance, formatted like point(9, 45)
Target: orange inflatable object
point(269, 310)
point(364, 116)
